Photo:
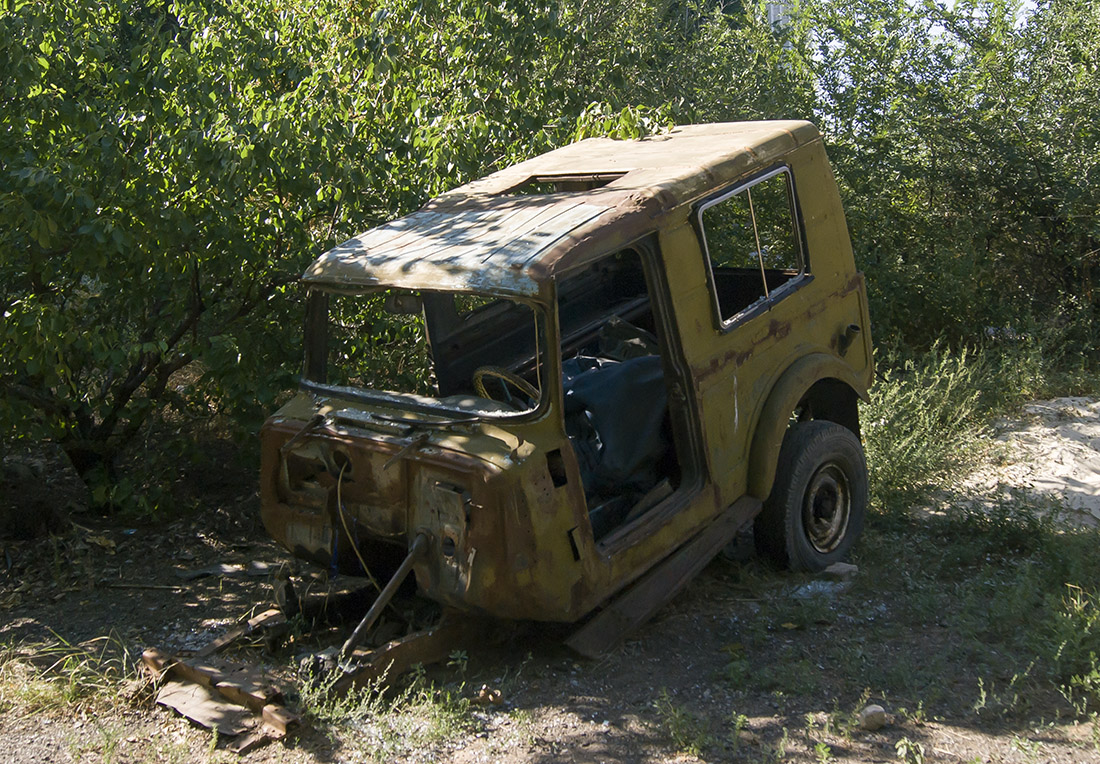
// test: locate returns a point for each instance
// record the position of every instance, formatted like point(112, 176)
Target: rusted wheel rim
point(827, 507)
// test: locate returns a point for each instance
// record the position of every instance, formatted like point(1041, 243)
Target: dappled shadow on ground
point(967, 624)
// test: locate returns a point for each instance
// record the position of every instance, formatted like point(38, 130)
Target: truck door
point(739, 297)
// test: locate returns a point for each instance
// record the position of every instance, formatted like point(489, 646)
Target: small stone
point(841, 571)
point(488, 696)
point(872, 718)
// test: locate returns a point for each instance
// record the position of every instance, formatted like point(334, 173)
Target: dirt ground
point(671, 693)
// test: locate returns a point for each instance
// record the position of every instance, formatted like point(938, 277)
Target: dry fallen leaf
point(104, 542)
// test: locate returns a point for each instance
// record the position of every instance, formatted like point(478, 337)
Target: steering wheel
point(509, 378)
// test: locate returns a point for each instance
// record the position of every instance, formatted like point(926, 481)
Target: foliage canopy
point(168, 169)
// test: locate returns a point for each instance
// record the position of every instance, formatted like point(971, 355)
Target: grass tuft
point(385, 724)
point(97, 674)
point(688, 733)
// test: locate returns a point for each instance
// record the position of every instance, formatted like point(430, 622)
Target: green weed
point(915, 716)
point(739, 671)
point(740, 724)
point(105, 744)
point(921, 424)
point(909, 751)
point(386, 724)
point(1030, 748)
point(841, 723)
point(783, 744)
point(687, 732)
point(822, 753)
point(1075, 631)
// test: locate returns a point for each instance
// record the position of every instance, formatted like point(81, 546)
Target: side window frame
point(769, 297)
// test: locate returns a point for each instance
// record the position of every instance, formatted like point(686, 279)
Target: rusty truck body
point(576, 379)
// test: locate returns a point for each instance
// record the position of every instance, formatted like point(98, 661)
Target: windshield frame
point(315, 363)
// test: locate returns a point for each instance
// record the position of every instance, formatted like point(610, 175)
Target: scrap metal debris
point(241, 702)
point(255, 569)
point(236, 700)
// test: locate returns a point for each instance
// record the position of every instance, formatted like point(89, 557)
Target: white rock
point(841, 571)
point(872, 718)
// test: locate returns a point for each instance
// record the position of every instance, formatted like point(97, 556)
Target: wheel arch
point(819, 383)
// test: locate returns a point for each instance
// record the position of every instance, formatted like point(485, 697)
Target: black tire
point(816, 508)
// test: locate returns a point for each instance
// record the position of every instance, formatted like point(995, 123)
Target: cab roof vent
point(561, 184)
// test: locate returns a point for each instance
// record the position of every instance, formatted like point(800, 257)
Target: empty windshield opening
point(464, 351)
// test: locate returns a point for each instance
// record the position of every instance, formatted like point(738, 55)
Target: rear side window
point(753, 240)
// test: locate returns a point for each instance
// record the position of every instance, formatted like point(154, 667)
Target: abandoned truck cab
point(573, 381)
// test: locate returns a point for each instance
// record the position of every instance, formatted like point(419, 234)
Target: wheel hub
point(827, 507)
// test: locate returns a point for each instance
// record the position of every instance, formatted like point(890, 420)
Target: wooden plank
point(257, 738)
point(277, 724)
point(162, 663)
point(249, 688)
point(238, 683)
point(655, 589)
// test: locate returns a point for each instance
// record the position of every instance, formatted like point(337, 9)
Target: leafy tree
point(165, 175)
point(168, 169)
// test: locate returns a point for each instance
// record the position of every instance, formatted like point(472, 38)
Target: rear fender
point(774, 416)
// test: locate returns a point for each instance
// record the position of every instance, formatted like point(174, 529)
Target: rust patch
point(778, 330)
point(831, 306)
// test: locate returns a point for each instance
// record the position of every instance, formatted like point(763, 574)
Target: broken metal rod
point(384, 596)
point(314, 421)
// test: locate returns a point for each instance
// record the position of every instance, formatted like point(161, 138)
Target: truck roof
point(511, 231)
